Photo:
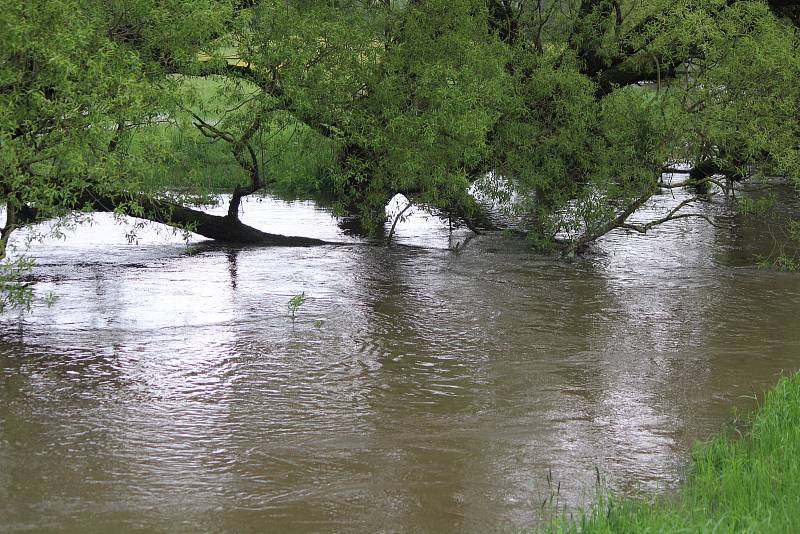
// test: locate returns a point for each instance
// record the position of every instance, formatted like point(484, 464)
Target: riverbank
point(750, 484)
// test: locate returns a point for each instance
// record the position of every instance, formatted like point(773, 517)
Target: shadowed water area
point(420, 389)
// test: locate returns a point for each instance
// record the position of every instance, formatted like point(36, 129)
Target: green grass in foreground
point(746, 485)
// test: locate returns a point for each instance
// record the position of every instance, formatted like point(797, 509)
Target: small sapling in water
point(295, 302)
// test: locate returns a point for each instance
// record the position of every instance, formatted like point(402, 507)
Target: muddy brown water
point(419, 389)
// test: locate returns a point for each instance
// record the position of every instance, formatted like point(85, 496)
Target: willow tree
point(607, 95)
point(76, 77)
point(405, 93)
point(403, 105)
point(425, 98)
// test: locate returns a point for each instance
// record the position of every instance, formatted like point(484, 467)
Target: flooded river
point(419, 389)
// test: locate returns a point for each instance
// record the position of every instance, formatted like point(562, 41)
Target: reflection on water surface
point(419, 388)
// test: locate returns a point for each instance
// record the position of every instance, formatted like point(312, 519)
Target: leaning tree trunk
point(225, 229)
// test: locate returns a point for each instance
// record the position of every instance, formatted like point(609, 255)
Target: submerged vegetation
point(750, 484)
point(294, 304)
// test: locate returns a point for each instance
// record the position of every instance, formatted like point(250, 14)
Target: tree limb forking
point(238, 146)
point(643, 228)
point(576, 245)
point(671, 216)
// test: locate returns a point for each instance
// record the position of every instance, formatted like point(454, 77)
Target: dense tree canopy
point(572, 107)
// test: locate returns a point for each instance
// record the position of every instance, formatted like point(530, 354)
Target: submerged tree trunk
point(225, 229)
point(229, 229)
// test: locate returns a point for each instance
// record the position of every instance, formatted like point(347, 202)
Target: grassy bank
point(745, 485)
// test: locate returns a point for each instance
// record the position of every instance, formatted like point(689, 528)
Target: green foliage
point(579, 150)
point(544, 140)
point(402, 93)
point(295, 302)
point(754, 205)
point(746, 485)
point(76, 80)
point(781, 262)
point(15, 293)
point(785, 254)
point(749, 99)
